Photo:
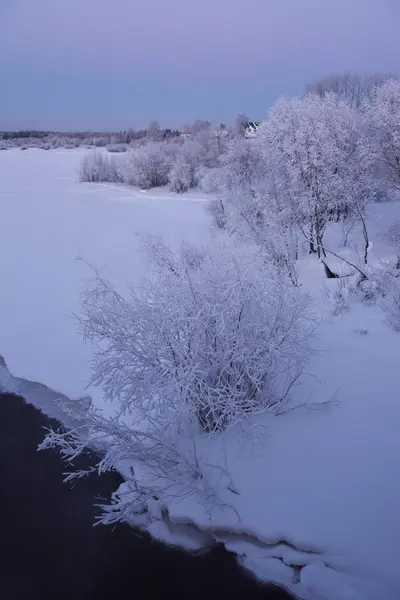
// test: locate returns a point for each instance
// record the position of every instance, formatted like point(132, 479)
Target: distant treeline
point(23, 134)
point(120, 136)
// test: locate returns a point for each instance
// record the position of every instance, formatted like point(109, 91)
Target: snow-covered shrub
point(337, 295)
point(391, 303)
point(148, 166)
point(116, 148)
point(183, 174)
point(214, 143)
point(97, 166)
point(393, 237)
point(100, 142)
point(206, 341)
point(208, 179)
point(248, 204)
point(180, 177)
point(209, 339)
point(375, 286)
point(370, 290)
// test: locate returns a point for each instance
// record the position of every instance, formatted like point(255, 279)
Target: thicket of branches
point(209, 340)
point(315, 160)
point(99, 167)
point(179, 162)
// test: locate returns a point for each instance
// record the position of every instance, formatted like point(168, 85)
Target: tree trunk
point(311, 241)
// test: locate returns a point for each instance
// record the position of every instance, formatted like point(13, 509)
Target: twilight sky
point(112, 64)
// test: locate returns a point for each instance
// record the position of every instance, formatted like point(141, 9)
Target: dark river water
point(50, 550)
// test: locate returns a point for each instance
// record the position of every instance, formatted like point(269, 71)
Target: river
point(50, 550)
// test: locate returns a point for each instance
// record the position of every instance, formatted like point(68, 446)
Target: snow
point(48, 218)
point(317, 508)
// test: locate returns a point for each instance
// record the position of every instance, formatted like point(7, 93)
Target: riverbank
point(50, 548)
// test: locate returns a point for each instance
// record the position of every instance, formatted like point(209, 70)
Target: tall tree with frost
point(183, 174)
point(319, 162)
point(247, 203)
point(148, 166)
point(384, 116)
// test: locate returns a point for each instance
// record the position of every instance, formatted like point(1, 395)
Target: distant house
point(220, 132)
point(250, 128)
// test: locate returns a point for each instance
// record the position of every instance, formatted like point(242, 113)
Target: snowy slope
point(317, 507)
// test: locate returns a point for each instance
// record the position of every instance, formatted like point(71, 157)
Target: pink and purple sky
point(113, 64)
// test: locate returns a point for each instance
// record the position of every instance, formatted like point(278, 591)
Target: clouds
point(225, 44)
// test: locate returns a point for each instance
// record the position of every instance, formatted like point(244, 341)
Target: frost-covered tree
point(148, 166)
point(247, 204)
point(320, 161)
point(154, 132)
point(310, 164)
point(384, 116)
point(236, 184)
point(183, 174)
point(214, 142)
point(97, 166)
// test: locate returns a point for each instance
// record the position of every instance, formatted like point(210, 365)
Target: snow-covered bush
point(183, 174)
point(210, 340)
point(98, 166)
point(208, 179)
point(248, 204)
point(391, 303)
point(370, 290)
point(393, 237)
point(338, 296)
point(214, 143)
point(374, 286)
point(180, 177)
point(117, 148)
point(148, 166)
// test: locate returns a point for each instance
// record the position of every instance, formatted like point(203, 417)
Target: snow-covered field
point(318, 496)
point(48, 219)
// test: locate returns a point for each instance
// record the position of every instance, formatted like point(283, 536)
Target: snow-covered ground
point(48, 219)
point(318, 496)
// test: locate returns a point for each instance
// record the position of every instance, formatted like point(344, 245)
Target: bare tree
point(353, 88)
